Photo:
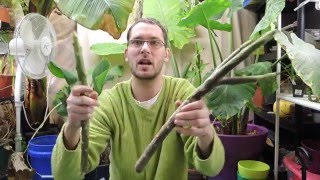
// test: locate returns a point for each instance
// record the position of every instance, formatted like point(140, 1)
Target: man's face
point(146, 51)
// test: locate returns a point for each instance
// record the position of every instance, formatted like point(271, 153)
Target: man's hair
point(153, 22)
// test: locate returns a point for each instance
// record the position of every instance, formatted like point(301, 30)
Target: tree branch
point(207, 86)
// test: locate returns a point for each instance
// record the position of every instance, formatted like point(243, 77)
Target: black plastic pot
point(4, 160)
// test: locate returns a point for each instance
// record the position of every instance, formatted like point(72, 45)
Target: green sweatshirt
point(130, 128)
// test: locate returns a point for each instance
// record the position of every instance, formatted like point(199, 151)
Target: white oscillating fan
point(33, 46)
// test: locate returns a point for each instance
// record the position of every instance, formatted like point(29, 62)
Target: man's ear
point(167, 55)
point(125, 55)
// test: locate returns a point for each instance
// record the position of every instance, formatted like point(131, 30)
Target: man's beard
point(147, 77)
point(142, 77)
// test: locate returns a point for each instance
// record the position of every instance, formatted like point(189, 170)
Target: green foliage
point(273, 10)
point(194, 70)
point(102, 73)
point(304, 59)
point(226, 101)
point(99, 75)
point(235, 6)
point(202, 14)
point(103, 49)
point(268, 85)
point(61, 97)
point(62, 73)
point(109, 15)
point(168, 12)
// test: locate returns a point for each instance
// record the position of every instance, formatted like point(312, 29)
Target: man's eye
point(154, 42)
point(137, 42)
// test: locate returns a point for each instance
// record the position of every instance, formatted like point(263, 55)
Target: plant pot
point(4, 160)
point(258, 98)
point(313, 148)
point(4, 14)
point(6, 86)
point(241, 147)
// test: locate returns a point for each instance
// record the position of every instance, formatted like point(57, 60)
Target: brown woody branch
point(207, 86)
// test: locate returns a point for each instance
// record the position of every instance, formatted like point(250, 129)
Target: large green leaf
point(115, 71)
point(62, 73)
point(43, 7)
point(99, 74)
point(61, 97)
point(227, 100)
point(168, 13)
point(255, 69)
point(273, 9)
point(304, 58)
point(268, 85)
point(108, 15)
point(108, 48)
point(235, 6)
point(203, 12)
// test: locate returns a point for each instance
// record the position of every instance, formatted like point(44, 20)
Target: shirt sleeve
point(212, 165)
point(66, 164)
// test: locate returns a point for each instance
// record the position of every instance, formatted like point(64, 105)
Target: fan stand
point(19, 87)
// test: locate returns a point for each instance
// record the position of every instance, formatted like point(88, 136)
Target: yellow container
point(253, 170)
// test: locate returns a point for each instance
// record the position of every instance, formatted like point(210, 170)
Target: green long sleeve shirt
point(130, 128)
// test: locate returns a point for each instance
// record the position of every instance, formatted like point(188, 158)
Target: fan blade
point(35, 65)
point(27, 35)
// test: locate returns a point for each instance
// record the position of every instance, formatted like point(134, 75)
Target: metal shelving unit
point(301, 101)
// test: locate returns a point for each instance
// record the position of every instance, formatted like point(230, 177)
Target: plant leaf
point(99, 74)
point(305, 60)
point(259, 68)
point(273, 9)
point(62, 73)
point(115, 71)
point(268, 85)
point(108, 15)
point(226, 100)
point(43, 7)
point(103, 49)
point(168, 13)
point(235, 6)
point(202, 13)
point(61, 97)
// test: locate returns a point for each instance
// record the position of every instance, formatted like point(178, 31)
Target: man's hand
point(193, 119)
point(80, 106)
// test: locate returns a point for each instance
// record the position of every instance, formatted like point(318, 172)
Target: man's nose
point(145, 47)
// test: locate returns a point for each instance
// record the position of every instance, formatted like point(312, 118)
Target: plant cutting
point(102, 73)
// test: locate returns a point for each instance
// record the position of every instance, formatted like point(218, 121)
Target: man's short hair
point(153, 22)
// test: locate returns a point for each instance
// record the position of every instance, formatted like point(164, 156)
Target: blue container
point(39, 151)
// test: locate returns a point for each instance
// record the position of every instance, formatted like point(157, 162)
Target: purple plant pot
point(241, 147)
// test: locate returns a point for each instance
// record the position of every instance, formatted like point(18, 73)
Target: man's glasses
point(138, 43)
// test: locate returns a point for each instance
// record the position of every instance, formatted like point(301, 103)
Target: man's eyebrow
point(140, 37)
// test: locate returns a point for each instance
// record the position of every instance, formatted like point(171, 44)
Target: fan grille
point(38, 38)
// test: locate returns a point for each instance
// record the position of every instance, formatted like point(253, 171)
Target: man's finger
point(82, 101)
point(193, 106)
point(81, 89)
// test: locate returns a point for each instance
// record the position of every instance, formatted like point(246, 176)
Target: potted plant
point(6, 61)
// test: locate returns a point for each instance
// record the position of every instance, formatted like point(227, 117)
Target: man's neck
point(144, 90)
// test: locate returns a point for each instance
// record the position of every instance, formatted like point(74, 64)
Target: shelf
point(285, 123)
point(303, 101)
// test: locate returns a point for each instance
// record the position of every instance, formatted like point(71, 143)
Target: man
point(131, 113)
